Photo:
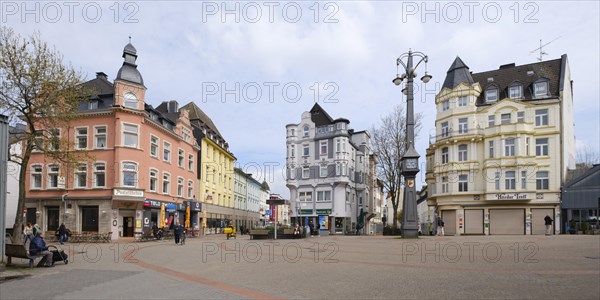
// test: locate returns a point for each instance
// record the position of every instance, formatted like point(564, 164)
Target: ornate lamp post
point(410, 159)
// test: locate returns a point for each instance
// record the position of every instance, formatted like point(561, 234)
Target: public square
point(330, 267)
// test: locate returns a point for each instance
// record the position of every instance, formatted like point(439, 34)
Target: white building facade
point(328, 172)
point(503, 144)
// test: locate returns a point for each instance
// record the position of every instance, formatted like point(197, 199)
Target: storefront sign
point(171, 207)
point(508, 196)
point(128, 193)
point(152, 203)
point(306, 211)
point(194, 206)
point(323, 211)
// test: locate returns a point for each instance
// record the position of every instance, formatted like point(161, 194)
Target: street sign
point(268, 212)
point(61, 182)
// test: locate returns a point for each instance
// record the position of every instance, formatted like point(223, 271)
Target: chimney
point(101, 75)
point(172, 106)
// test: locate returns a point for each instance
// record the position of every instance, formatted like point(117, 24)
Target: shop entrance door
point(128, 226)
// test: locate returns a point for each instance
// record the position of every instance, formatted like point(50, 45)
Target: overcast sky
point(194, 51)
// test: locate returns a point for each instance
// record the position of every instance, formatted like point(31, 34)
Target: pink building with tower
point(141, 160)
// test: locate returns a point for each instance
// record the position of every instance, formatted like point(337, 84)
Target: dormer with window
point(541, 88)
point(492, 94)
point(515, 90)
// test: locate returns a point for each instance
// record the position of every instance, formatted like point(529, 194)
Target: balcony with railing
point(456, 134)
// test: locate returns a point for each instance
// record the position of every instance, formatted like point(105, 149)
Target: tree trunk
point(395, 207)
point(18, 226)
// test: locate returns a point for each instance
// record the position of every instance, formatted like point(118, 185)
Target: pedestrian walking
point(62, 233)
point(28, 231)
point(548, 222)
point(155, 230)
point(440, 226)
point(177, 229)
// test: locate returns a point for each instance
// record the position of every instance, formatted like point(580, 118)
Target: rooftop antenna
point(541, 48)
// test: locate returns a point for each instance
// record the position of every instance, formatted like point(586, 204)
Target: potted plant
point(584, 227)
point(572, 226)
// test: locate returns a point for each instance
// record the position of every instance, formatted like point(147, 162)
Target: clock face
point(411, 163)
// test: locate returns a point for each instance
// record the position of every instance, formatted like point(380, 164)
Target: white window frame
point(338, 168)
point(463, 153)
point(463, 183)
point(154, 145)
point(79, 137)
point(510, 150)
point(541, 117)
point(445, 129)
point(463, 125)
point(306, 131)
point(305, 196)
point(128, 99)
point(37, 174)
point(510, 180)
point(124, 132)
point(292, 150)
point(323, 170)
point(323, 147)
point(520, 117)
point(491, 120)
point(166, 183)
point(445, 155)
point(54, 140)
point(541, 146)
point(100, 135)
point(542, 180)
point(180, 158)
point(166, 155)
point(305, 150)
point(97, 172)
point(50, 173)
point(180, 186)
point(504, 120)
point(81, 169)
point(515, 92)
point(445, 105)
point(491, 149)
point(323, 196)
point(540, 89)
point(190, 162)
point(444, 184)
point(491, 95)
point(153, 176)
point(462, 101)
point(135, 171)
point(305, 172)
point(190, 189)
point(497, 180)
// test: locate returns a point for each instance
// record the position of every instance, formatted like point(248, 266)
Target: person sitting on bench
point(37, 246)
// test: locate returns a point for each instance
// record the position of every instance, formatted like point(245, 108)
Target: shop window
point(89, 218)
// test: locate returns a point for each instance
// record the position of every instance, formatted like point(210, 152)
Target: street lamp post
point(410, 159)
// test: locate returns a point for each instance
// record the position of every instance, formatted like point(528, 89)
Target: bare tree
point(587, 157)
point(389, 145)
point(37, 88)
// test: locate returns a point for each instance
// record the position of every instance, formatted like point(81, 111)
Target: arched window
point(129, 174)
point(445, 155)
point(130, 100)
point(462, 152)
point(306, 129)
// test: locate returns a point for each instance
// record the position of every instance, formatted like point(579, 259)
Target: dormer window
point(462, 101)
point(445, 105)
point(515, 92)
point(93, 104)
point(130, 101)
point(491, 95)
point(540, 88)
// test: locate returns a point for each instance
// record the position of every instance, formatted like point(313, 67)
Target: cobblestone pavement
point(334, 267)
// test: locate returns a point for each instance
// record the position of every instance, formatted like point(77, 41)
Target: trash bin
point(306, 231)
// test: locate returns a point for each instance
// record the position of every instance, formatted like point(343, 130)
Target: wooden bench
point(146, 235)
point(18, 250)
point(259, 234)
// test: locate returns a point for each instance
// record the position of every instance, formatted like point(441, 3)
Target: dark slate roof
point(319, 116)
point(163, 108)
point(201, 120)
point(457, 74)
point(508, 74)
point(590, 178)
point(129, 71)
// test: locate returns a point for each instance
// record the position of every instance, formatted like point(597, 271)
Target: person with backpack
point(62, 234)
point(440, 226)
point(548, 223)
